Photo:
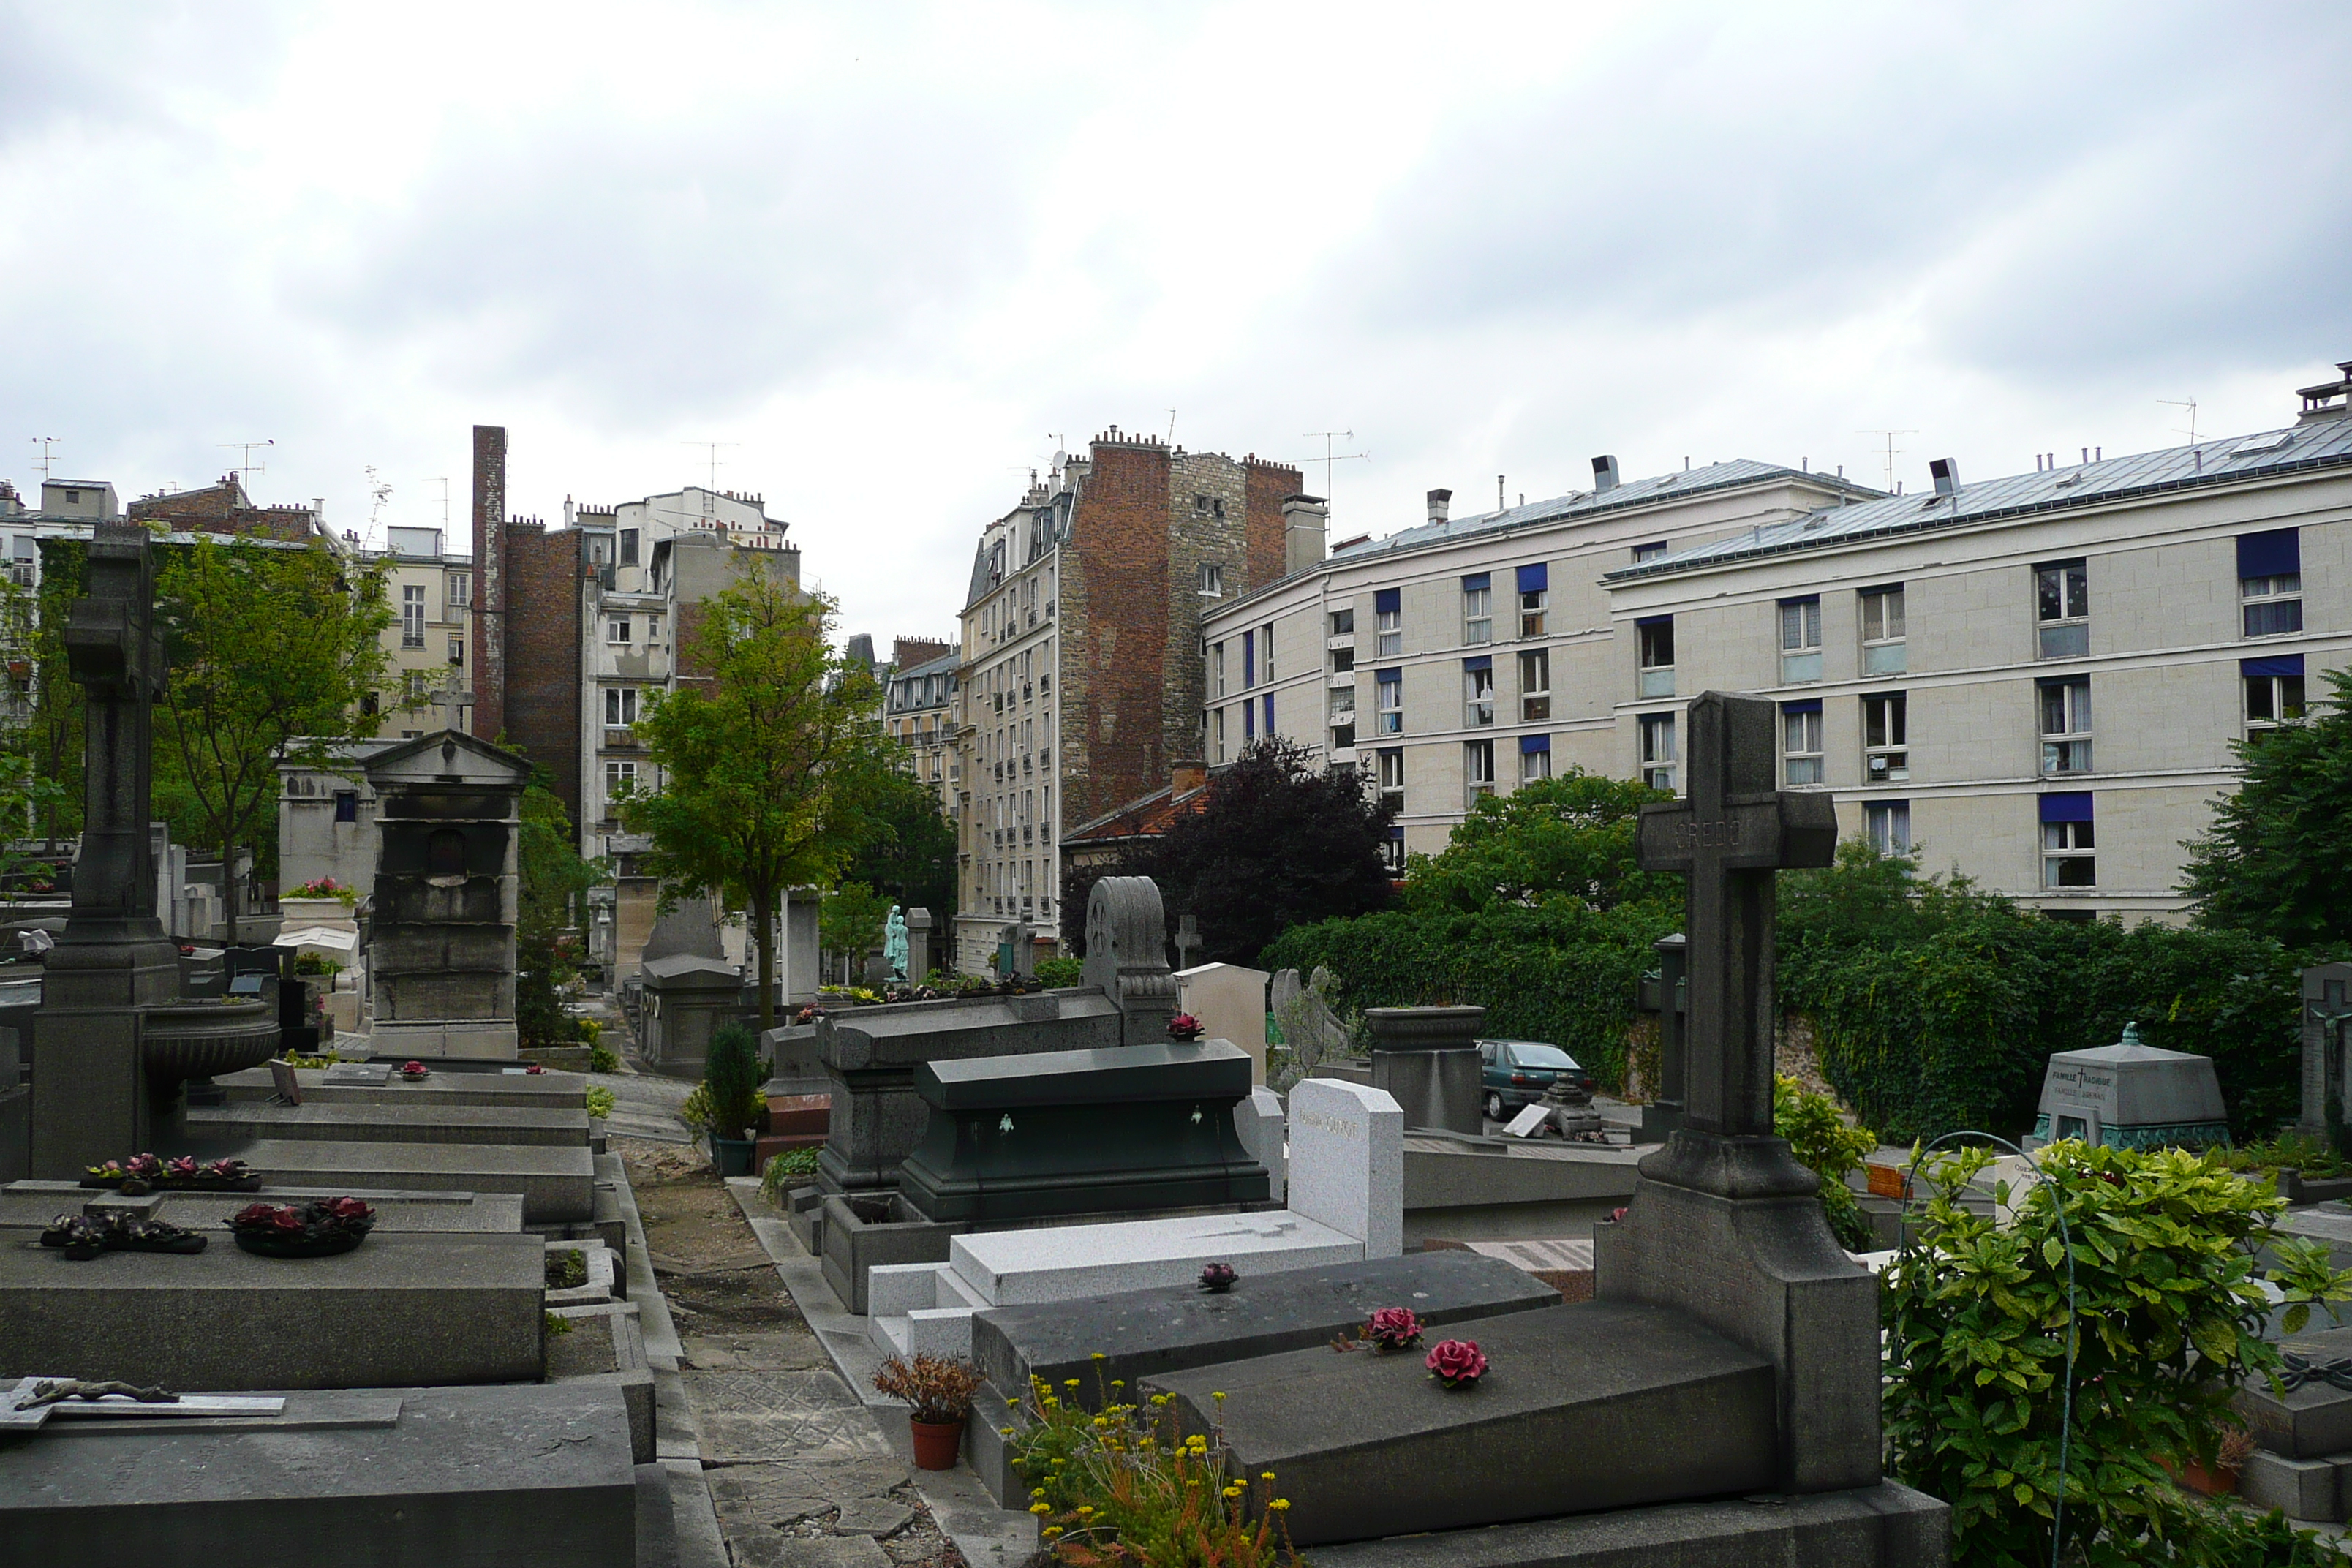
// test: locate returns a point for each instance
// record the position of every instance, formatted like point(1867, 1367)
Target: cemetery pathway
point(644, 1105)
point(799, 1470)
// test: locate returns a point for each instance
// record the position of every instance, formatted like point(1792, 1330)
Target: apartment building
point(2035, 679)
point(918, 709)
point(1081, 683)
point(430, 593)
point(1457, 657)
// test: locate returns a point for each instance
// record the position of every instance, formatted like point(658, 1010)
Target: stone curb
point(677, 1444)
point(988, 1536)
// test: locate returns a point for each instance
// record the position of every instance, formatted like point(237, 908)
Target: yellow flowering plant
point(1120, 1485)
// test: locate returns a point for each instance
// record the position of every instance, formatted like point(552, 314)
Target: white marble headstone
point(1230, 1003)
point(1258, 1122)
point(1347, 1161)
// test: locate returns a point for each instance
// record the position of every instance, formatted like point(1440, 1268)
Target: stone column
point(1427, 1058)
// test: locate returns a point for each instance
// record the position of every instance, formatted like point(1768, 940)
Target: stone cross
point(116, 653)
point(1727, 837)
point(1188, 938)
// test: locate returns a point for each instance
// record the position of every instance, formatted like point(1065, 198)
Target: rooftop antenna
point(1892, 449)
point(1329, 457)
point(713, 447)
point(443, 481)
point(1171, 426)
point(2190, 405)
point(245, 465)
point(379, 492)
point(44, 443)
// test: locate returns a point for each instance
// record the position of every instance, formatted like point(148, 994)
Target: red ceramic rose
point(144, 1166)
point(1457, 1363)
point(1393, 1329)
point(1183, 1026)
point(183, 1168)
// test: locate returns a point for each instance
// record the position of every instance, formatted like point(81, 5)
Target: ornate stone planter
point(1428, 1059)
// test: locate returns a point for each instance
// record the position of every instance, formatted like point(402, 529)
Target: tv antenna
point(245, 449)
point(44, 443)
point(713, 448)
point(2190, 405)
point(1892, 451)
point(1171, 426)
point(1329, 457)
point(379, 492)
point(443, 481)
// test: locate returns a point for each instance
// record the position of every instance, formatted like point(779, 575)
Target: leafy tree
point(770, 754)
point(911, 855)
point(2277, 860)
point(272, 647)
point(1280, 840)
point(553, 879)
point(850, 921)
point(1566, 838)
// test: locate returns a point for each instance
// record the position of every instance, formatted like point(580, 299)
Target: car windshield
point(1542, 1057)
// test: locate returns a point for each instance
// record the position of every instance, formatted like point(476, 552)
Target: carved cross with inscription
point(1729, 837)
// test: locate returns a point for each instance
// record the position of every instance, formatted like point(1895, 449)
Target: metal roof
point(2320, 444)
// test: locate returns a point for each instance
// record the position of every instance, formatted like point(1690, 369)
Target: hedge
point(1564, 975)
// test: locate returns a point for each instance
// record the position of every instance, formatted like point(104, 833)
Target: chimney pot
point(1305, 526)
point(1947, 476)
point(1604, 474)
point(1440, 503)
point(1186, 777)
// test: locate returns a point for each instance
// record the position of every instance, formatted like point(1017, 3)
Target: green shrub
point(695, 1111)
point(604, 1058)
point(599, 1101)
point(733, 1072)
point(1060, 970)
point(1826, 1146)
point(789, 1169)
point(2167, 1322)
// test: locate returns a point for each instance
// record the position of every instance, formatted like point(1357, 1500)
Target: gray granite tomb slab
point(37, 1204)
point(443, 1086)
point(375, 1122)
point(555, 1184)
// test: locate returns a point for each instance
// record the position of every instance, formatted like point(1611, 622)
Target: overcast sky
point(892, 254)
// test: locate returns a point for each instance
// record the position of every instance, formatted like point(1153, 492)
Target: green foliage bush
point(1826, 1146)
point(1935, 1006)
point(733, 1072)
point(2166, 1324)
point(791, 1168)
point(1058, 972)
point(599, 1101)
point(603, 1058)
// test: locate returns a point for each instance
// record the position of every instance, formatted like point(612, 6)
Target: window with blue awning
point(2071, 806)
point(1483, 661)
point(1530, 744)
point(1384, 601)
point(2284, 664)
point(1473, 581)
point(2276, 552)
point(1535, 579)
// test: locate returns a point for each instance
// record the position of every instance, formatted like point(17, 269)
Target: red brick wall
point(544, 573)
point(1267, 485)
point(1117, 645)
point(489, 656)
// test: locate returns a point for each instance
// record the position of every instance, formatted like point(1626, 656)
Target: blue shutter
point(1535, 579)
point(2073, 805)
point(2275, 554)
point(1653, 620)
point(1249, 660)
point(1269, 715)
point(1388, 677)
point(1529, 745)
point(1384, 600)
point(1810, 705)
point(1475, 581)
point(2284, 664)
point(1484, 661)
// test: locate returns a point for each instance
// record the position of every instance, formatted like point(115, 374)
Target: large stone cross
point(116, 652)
point(1731, 832)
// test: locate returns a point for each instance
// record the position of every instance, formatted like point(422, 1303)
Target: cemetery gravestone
point(1664, 1111)
point(1127, 955)
point(2130, 1096)
point(1229, 1001)
point(1311, 1032)
point(1347, 1161)
point(2327, 1005)
point(1428, 1059)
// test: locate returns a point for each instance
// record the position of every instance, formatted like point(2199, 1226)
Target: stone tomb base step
point(457, 1477)
point(555, 1184)
point(36, 1204)
point(400, 1309)
point(445, 1086)
point(375, 1121)
point(1885, 1525)
point(1600, 1406)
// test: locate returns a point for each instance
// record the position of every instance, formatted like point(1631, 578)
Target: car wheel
point(1493, 1106)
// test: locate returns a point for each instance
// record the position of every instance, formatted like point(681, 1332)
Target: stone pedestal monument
point(1428, 1059)
point(1127, 955)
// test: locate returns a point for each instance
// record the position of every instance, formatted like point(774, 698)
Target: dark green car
point(1515, 1073)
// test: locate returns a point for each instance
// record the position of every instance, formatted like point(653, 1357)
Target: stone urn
point(295, 913)
point(1427, 1058)
point(201, 1040)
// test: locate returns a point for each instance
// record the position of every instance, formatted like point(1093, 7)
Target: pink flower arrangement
point(1183, 1026)
point(1393, 1329)
point(1218, 1277)
point(1457, 1363)
point(412, 1069)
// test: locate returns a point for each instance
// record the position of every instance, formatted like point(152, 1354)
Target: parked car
point(1514, 1073)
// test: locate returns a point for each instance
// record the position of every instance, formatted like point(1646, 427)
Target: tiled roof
point(2321, 444)
point(1146, 816)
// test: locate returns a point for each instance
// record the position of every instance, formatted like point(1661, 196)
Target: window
point(1886, 742)
point(1249, 720)
point(2062, 603)
point(1269, 715)
point(2068, 842)
point(1535, 758)
point(1266, 648)
point(1217, 727)
point(1658, 750)
point(1249, 660)
point(461, 590)
point(1388, 621)
point(1477, 770)
point(1535, 596)
point(1343, 659)
point(1394, 851)
point(1535, 685)
point(1654, 642)
point(1478, 608)
point(1343, 717)
point(2270, 581)
point(1208, 505)
point(1343, 622)
point(652, 628)
point(1477, 692)
point(616, 631)
point(1801, 742)
point(1212, 580)
point(1884, 651)
point(628, 547)
point(1800, 639)
point(1652, 552)
point(2274, 692)
point(412, 616)
point(1388, 720)
point(1217, 666)
point(1888, 823)
point(2067, 725)
point(1391, 777)
point(457, 650)
point(619, 778)
point(619, 705)
point(346, 805)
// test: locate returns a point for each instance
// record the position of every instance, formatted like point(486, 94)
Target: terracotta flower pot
point(936, 1443)
point(2198, 1478)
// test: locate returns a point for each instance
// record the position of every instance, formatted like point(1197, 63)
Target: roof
point(2317, 445)
point(1146, 817)
point(946, 664)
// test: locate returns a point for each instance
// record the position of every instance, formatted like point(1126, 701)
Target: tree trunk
point(763, 931)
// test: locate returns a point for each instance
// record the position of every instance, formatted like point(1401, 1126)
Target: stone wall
point(544, 573)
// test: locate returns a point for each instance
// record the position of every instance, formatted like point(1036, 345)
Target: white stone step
point(889, 1335)
point(1005, 1267)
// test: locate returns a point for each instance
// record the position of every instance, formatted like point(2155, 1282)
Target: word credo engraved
point(1690, 834)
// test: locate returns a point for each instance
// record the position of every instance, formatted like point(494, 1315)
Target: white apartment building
point(920, 710)
point(2036, 679)
point(1457, 657)
point(430, 593)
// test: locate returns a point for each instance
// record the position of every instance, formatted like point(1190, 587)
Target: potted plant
point(937, 1392)
point(2231, 1454)
point(320, 1228)
point(733, 1072)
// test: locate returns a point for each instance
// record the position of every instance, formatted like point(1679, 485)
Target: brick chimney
point(1186, 777)
point(489, 581)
